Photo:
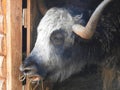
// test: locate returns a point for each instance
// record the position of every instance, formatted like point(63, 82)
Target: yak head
point(55, 55)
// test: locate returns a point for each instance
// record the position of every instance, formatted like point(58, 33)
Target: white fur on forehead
point(54, 19)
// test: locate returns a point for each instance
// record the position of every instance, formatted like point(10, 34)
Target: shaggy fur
point(58, 52)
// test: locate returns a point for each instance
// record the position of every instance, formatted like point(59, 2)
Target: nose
point(32, 69)
point(29, 70)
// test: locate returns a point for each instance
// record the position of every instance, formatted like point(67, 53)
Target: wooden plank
point(28, 25)
point(1, 23)
point(31, 15)
point(0, 7)
point(32, 21)
point(1, 65)
point(2, 81)
point(1, 44)
point(13, 43)
point(35, 19)
point(2, 48)
point(3, 68)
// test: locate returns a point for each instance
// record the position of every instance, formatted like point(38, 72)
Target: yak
point(66, 42)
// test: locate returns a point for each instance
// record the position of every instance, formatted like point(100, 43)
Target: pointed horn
point(42, 7)
point(88, 31)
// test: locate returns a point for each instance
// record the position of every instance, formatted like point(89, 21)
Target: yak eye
point(57, 38)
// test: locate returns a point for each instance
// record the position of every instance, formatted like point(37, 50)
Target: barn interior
point(92, 77)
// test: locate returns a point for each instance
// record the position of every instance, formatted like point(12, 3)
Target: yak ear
point(88, 31)
point(41, 6)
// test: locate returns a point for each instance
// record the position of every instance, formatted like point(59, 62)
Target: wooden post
point(2, 48)
point(31, 14)
point(28, 25)
point(10, 44)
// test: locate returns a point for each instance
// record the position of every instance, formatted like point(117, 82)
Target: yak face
point(57, 53)
point(55, 56)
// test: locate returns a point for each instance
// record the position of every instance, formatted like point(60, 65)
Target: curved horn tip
point(88, 31)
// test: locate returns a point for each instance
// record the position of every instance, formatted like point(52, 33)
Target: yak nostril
point(28, 70)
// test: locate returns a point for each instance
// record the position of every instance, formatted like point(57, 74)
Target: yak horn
point(42, 7)
point(88, 31)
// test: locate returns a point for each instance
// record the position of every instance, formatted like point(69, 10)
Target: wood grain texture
point(2, 84)
point(1, 65)
point(13, 14)
point(1, 23)
point(1, 44)
point(2, 47)
point(29, 26)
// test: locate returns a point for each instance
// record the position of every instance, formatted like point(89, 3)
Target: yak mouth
point(35, 78)
point(31, 73)
point(31, 77)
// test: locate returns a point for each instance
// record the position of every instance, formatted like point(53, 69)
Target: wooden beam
point(32, 21)
point(31, 16)
point(14, 43)
point(2, 47)
point(28, 25)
